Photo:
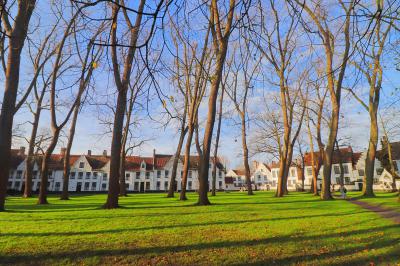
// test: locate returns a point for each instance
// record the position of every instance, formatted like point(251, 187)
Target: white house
point(91, 172)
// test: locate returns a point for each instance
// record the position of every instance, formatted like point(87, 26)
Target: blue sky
point(91, 135)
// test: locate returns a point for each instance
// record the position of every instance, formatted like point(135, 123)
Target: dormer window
point(143, 165)
point(82, 165)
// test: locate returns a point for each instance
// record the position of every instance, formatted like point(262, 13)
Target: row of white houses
point(265, 176)
point(91, 172)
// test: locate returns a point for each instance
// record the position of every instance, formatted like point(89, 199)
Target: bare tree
point(244, 70)
point(370, 65)
point(283, 59)
point(16, 34)
point(55, 126)
point(43, 55)
point(134, 89)
point(217, 137)
point(221, 28)
point(88, 62)
point(334, 73)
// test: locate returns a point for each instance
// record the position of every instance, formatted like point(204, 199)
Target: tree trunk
point(214, 172)
point(44, 172)
point(186, 164)
point(172, 182)
point(368, 190)
point(246, 157)
point(17, 35)
point(116, 145)
point(122, 183)
point(30, 159)
point(66, 170)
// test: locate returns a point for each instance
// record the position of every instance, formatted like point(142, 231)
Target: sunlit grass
point(237, 229)
point(383, 199)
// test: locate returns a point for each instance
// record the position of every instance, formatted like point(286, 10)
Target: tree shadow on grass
point(173, 226)
point(171, 250)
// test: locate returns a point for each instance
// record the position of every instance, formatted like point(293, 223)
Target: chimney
point(89, 152)
point(62, 151)
point(105, 153)
point(22, 150)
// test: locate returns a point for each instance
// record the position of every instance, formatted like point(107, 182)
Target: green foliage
point(237, 229)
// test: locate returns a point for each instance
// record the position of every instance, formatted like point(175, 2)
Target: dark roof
point(17, 157)
point(97, 161)
point(395, 146)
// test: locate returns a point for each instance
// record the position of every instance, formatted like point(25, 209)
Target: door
point(141, 186)
point(79, 187)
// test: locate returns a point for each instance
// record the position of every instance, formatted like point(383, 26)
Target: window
point(93, 186)
point(181, 174)
point(147, 175)
point(137, 175)
point(209, 166)
point(95, 175)
point(80, 175)
point(190, 174)
point(166, 173)
point(72, 175)
point(143, 165)
point(87, 185)
point(347, 180)
point(166, 185)
point(19, 174)
point(35, 174)
point(259, 178)
point(220, 174)
point(309, 171)
point(379, 171)
point(346, 169)
point(158, 174)
point(292, 172)
point(337, 180)
point(336, 169)
point(136, 186)
point(17, 184)
point(104, 176)
point(87, 175)
point(103, 186)
point(376, 181)
point(189, 185)
point(127, 175)
point(57, 186)
point(220, 184)
point(147, 185)
point(158, 185)
point(50, 174)
point(82, 165)
point(9, 184)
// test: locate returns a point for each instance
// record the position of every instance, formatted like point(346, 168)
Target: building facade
point(91, 172)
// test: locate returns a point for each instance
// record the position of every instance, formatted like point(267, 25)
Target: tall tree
point(89, 62)
point(371, 49)
point(335, 73)
point(244, 71)
point(16, 34)
point(221, 29)
point(61, 57)
point(43, 55)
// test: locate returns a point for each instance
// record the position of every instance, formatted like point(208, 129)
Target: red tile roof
point(345, 155)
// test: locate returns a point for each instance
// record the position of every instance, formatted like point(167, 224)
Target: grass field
point(386, 200)
point(238, 229)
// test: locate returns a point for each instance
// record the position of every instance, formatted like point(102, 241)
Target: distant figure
point(343, 191)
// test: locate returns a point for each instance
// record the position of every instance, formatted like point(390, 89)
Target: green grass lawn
point(238, 229)
point(383, 199)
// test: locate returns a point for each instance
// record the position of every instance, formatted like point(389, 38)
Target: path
point(384, 212)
